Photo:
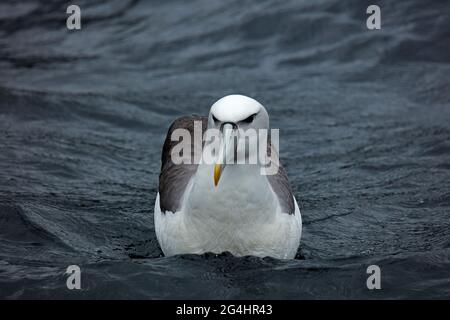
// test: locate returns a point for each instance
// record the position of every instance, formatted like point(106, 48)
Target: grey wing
point(280, 183)
point(174, 178)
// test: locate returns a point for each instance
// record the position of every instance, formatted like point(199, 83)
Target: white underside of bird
point(243, 219)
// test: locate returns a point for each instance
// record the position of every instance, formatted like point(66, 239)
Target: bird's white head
point(240, 111)
point(233, 115)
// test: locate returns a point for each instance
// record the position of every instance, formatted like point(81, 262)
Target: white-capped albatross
point(217, 207)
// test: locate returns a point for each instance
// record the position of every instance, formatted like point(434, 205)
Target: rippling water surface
point(365, 138)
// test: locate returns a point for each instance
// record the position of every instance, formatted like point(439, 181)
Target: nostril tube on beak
point(228, 125)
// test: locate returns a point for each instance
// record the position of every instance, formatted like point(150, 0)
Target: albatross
point(216, 206)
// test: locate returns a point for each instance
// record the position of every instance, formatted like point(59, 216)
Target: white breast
point(241, 215)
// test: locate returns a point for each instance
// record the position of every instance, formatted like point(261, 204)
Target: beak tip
point(217, 173)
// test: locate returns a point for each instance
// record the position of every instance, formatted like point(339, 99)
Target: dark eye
point(249, 119)
point(215, 119)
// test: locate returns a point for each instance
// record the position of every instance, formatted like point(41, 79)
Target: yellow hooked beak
point(225, 145)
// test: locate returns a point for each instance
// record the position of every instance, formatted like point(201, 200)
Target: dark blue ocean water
point(365, 137)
